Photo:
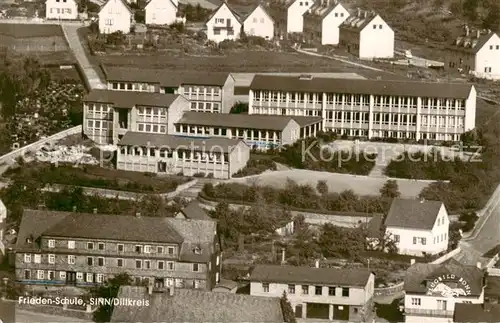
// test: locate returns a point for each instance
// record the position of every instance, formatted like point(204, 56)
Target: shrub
point(210, 175)
point(200, 174)
point(255, 167)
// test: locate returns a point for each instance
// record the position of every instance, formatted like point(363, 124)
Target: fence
point(33, 147)
point(391, 290)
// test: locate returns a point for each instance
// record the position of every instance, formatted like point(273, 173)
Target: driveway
point(361, 185)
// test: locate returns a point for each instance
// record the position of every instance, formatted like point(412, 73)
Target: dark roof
point(123, 1)
point(375, 87)
point(187, 305)
point(165, 78)
point(419, 274)
point(310, 275)
point(492, 289)
point(374, 227)
point(320, 10)
point(470, 44)
point(248, 121)
point(156, 140)
point(96, 226)
point(194, 211)
point(476, 312)
point(413, 214)
point(357, 22)
point(129, 99)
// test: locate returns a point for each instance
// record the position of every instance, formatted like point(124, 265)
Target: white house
point(295, 15)
point(432, 290)
point(61, 9)
point(477, 53)
point(367, 36)
point(161, 12)
point(322, 21)
point(115, 15)
point(418, 227)
point(258, 23)
point(224, 24)
point(318, 293)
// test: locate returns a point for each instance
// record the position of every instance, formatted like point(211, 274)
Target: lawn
point(94, 176)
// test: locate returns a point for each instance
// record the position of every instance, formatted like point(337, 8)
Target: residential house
point(322, 21)
point(193, 211)
point(161, 12)
point(61, 9)
point(207, 92)
point(69, 248)
point(476, 52)
point(418, 227)
point(257, 22)
point(432, 291)
point(115, 16)
point(258, 131)
point(167, 154)
point(224, 24)
point(195, 306)
point(318, 293)
point(469, 313)
point(108, 115)
point(367, 36)
point(288, 15)
point(370, 108)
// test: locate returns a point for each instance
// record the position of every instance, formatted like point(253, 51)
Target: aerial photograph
point(249, 161)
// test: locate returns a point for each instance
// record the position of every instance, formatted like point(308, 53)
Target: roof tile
point(413, 214)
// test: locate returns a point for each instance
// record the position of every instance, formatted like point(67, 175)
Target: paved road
point(70, 31)
point(30, 317)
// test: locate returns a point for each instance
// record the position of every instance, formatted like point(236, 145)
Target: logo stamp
point(449, 286)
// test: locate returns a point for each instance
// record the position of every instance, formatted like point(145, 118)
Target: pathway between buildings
point(78, 49)
point(340, 59)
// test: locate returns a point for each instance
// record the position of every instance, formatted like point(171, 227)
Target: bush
point(200, 174)
point(255, 167)
point(178, 26)
point(470, 219)
point(210, 175)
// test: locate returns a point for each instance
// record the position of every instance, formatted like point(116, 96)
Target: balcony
point(427, 312)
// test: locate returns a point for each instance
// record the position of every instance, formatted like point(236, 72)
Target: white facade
point(295, 15)
point(487, 59)
point(3, 226)
point(330, 25)
point(259, 23)
point(61, 9)
point(434, 308)
point(223, 25)
point(161, 12)
point(415, 242)
point(376, 40)
point(115, 16)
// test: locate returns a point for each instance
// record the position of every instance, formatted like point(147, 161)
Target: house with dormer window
point(288, 16)
point(322, 21)
point(224, 24)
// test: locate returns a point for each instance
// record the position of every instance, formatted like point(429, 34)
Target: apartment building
point(367, 36)
point(370, 108)
point(322, 21)
point(432, 290)
point(109, 115)
point(167, 154)
point(69, 248)
point(318, 293)
point(207, 92)
point(476, 52)
point(258, 131)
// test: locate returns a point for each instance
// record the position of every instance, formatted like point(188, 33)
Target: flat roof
point(375, 87)
point(129, 99)
point(247, 121)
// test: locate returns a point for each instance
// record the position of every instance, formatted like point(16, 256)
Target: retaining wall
point(391, 290)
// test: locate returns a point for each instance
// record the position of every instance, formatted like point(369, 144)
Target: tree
point(239, 108)
point(390, 189)
point(322, 187)
point(109, 291)
point(492, 19)
point(341, 242)
point(286, 308)
point(469, 8)
point(388, 243)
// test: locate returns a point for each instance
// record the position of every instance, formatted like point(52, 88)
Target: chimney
point(150, 289)
point(283, 258)
point(478, 33)
point(171, 290)
point(74, 208)
point(478, 264)
point(95, 210)
point(366, 14)
point(138, 214)
point(359, 12)
point(412, 262)
point(466, 28)
point(316, 263)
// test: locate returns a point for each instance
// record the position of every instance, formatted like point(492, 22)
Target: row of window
point(212, 107)
point(164, 153)
point(61, 10)
point(152, 112)
point(51, 275)
point(99, 108)
point(99, 125)
point(318, 290)
point(441, 303)
point(119, 247)
point(140, 87)
point(151, 128)
point(201, 90)
point(217, 31)
point(241, 133)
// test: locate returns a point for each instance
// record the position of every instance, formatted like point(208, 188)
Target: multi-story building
point(167, 154)
point(258, 131)
point(207, 92)
point(288, 16)
point(108, 115)
point(419, 227)
point(370, 108)
point(69, 248)
point(432, 290)
point(322, 21)
point(367, 36)
point(477, 53)
point(318, 293)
